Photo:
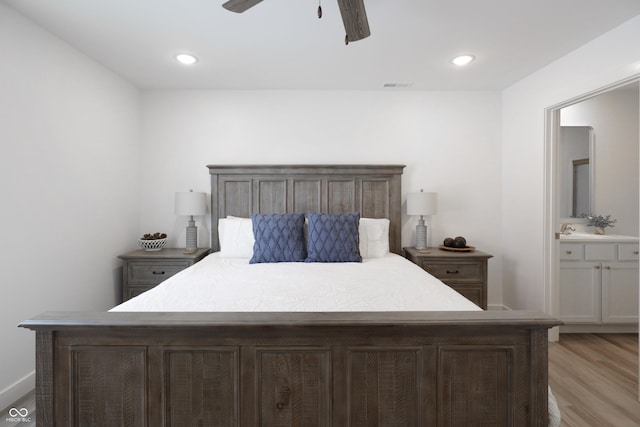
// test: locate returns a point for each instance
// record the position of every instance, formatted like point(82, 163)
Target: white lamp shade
point(191, 203)
point(422, 203)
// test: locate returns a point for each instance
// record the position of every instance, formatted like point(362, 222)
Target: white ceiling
point(281, 44)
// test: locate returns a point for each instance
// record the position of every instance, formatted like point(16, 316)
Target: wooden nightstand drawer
point(473, 293)
point(152, 273)
point(142, 270)
point(134, 291)
point(455, 273)
point(465, 272)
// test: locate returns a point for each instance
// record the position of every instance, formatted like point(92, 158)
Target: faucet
point(567, 229)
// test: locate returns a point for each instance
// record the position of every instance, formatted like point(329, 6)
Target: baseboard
point(15, 391)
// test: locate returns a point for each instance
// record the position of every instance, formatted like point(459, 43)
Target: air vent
point(398, 85)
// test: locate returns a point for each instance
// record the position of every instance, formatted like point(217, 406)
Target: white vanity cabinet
point(598, 283)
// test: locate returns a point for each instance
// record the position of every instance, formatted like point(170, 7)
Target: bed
point(379, 362)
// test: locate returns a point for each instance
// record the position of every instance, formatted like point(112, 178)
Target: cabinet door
point(620, 292)
point(580, 292)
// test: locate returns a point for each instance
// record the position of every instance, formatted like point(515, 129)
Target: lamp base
point(421, 235)
point(192, 237)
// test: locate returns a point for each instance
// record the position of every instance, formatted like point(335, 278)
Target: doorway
point(554, 216)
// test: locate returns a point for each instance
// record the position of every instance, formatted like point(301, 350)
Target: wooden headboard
point(372, 190)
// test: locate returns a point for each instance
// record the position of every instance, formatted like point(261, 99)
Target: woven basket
point(152, 245)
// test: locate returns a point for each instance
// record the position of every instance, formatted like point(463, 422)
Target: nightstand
point(142, 270)
point(466, 272)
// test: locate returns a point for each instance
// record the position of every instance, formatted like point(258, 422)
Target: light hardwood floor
point(594, 377)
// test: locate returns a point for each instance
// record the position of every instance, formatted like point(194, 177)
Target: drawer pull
point(453, 271)
point(569, 252)
point(158, 272)
point(608, 267)
point(597, 267)
point(635, 252)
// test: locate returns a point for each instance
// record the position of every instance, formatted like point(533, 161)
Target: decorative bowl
point(465, 249)
point(152, 245)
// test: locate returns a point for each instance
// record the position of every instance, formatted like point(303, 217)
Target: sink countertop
point(589, 237)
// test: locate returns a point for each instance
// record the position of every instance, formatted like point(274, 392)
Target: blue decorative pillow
point(333, 237)
point(278, 238)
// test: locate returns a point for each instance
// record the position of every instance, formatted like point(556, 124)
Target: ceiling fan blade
point(354, 17)
point(240, 6)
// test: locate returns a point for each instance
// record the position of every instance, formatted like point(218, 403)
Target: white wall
point(69, 172)
point(607, 59)
point(449, 141)
point(615, 118)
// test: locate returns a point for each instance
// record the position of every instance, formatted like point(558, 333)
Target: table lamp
point(422, 204)
point(190, 203)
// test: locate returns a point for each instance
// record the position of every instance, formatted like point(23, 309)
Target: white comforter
point(390, 283)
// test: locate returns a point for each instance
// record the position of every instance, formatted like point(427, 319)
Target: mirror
point(576, 171)
point(581, 188)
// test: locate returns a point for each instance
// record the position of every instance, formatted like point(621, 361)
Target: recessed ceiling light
point(186, 59)
point(463, 60)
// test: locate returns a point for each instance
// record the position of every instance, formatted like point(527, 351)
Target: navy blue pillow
point(333, 237)
point(278, 238)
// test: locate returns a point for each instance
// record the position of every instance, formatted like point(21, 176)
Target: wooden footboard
point(291, 369)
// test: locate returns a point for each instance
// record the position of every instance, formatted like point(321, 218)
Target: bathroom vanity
point(598, 283)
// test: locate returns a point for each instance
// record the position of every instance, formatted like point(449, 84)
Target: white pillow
point(374, 237)
point(236, 237)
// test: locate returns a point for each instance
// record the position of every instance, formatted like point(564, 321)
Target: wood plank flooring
point(594, 377)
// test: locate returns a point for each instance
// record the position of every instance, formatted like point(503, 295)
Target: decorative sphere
point(459, 242)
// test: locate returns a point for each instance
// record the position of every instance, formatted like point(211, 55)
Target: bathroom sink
point(574, 236)
point(589, 237)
